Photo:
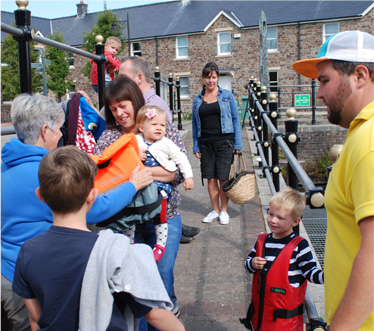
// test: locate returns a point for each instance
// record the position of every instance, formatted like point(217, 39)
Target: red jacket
point(113, 62)
point(273, 297)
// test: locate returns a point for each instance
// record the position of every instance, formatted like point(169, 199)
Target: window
point(273, 80)
point(224, 43)
point(272, 39)
point(329, 29)
point(185, 90)
point(136, 49)
point(182, 47)
point(70, 58)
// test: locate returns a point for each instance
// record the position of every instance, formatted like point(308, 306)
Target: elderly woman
point(37, 120)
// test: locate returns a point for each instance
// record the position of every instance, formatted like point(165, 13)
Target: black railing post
point(23, 22)
point(171, 95)
point(157, 81)
point(292, 138)
point(265, 132)
point(313, 101)
point(178, 86)
point(274, 145)
point(258, 113)
point(99, 50)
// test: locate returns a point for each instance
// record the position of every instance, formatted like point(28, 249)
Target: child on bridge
point(281, 262)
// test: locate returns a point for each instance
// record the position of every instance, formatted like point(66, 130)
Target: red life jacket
point(276, 305)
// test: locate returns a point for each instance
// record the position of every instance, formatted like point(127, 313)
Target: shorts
point(216, 158)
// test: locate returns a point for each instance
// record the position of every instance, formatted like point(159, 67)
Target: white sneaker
point(212, 216)
point(224, 218)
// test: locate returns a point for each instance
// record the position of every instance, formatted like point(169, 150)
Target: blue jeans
point(146, 233)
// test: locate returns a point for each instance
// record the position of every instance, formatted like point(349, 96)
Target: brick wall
point(316, 140)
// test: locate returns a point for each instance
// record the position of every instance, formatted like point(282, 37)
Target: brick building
point(181, 36)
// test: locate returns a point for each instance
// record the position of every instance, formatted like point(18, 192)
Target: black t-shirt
point(50, 268)
point(210, 119)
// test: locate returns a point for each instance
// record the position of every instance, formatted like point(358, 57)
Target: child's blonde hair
point(140, 117)
point(291, 200)
point(113, 40)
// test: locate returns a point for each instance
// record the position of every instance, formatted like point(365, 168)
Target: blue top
point(23, 215)
point(230, 121)
point(51, 268)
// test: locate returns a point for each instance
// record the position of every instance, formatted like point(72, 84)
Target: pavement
point(211, 284)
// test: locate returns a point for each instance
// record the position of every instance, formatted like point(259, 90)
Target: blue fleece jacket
point(23, 215)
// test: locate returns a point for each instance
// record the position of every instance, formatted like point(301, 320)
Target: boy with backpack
point(57, 270)
point(281, 262)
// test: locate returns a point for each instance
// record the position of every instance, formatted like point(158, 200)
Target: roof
point(188, 17)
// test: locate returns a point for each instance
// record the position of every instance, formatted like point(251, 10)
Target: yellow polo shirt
point(349, 199)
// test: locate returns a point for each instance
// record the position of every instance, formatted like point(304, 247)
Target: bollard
point(265, 132)
point(171, 95)
point(292, 138)
point(23, 22)
point(178, 86)
point(274, 145)
point(100, 50)
point(157, 81)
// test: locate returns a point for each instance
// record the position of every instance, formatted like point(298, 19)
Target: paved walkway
point(211, 284)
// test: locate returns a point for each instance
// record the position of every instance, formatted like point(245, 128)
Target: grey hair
point(140, 65)
point(30, 112)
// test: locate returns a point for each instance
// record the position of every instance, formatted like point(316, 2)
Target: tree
point(10, 70)
point(103, 26)
point(58, 70)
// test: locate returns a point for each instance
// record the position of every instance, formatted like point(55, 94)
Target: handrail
point(19, 32)
point(308, 185)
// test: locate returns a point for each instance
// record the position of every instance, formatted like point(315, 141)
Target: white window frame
point(179, 48)
point(325, 35)
point(219, 43)
point(268, 39)
point(184, 96)
point(136, 52)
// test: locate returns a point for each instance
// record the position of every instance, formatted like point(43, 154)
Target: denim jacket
point(230, 121)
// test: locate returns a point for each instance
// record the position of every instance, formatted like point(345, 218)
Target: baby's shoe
point(158, 252)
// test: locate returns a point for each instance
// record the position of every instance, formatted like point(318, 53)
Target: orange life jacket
point(276, 305)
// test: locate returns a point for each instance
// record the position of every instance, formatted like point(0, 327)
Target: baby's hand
point(258, 263)
point(188, 184)
point(142, 155)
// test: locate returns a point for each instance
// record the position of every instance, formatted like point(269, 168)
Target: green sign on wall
point(302, 100)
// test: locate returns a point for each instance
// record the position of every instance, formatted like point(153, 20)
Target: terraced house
point(181, 36)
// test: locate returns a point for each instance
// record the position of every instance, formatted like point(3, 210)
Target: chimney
point(81, 9)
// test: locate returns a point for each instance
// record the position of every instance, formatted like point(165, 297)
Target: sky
point(63, 8)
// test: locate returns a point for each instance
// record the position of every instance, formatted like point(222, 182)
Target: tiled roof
point(186, 17)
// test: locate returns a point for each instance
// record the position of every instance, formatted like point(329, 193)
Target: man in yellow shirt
point(345, 69)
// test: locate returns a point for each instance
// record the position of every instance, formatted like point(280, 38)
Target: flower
point(150, 113)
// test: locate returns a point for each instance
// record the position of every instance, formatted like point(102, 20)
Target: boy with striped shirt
point(281, 262)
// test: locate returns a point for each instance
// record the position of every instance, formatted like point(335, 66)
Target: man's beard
point(336, 103)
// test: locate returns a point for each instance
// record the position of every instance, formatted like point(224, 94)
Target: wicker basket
point(242, 186)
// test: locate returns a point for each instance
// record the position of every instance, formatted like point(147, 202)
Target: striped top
point(302, 264)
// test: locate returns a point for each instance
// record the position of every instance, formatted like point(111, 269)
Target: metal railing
point(174, 97)
point(263, 115)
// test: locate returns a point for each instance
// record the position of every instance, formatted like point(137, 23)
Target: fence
point(261, 121)
point(23, 34)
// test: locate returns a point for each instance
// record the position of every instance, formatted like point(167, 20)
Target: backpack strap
point(73, 118)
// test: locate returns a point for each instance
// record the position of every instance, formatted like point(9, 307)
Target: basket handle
point(241, 159)
point(233, 166)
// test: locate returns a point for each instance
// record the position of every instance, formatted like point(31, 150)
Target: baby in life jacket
point(157, 150)
point(281, 262)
